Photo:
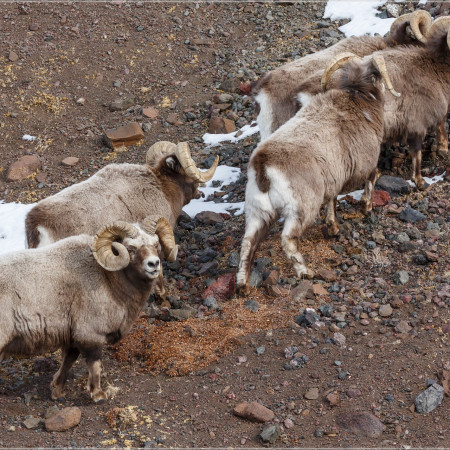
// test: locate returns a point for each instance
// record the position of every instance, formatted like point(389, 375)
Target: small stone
point(339, 339)
point(252, 305)
point(33, 27)
point(326, 275)
point(81, 101)
point(13, 56)
point(272, 278)
point(307, 318)
point(126, 135)
point(360, 423)
point(70, 161)
point(353, 393)
point(151, 113)
point(255, 278)
point(370, 245)
point(318, 289)
point(401, 277)
point(402, 327)
point(120, 104)
point(429, 399)
point(288, 423)
point(32, 422)
point(23, 168)
point(333, 399)
point(385, 310)
point(303, 290)
point(318, 433)
point(211, 303)
point(233, 260)
point(254, 412)
point(270, 434)
point(411, 215)
point(64, 419)
point(209, 218)
point(260, 350)
point(172, 118)
point(312, 394)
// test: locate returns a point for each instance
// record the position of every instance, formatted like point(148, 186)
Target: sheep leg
point(255, 230)
point(415, 146)
point(369, 186)
point(94, 364)
point(331, 219)
point(292, 230)
point(69, 356)
point(440, 145)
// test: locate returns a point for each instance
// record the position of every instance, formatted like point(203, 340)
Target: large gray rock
point(360, 423)
point(393, 185)
point(429, 399)
point(270, 434)
point(411, 215)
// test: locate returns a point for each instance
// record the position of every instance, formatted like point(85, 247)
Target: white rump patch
point(44, 237)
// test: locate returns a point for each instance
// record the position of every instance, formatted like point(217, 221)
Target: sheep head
point(419, 22)
point(163, 230)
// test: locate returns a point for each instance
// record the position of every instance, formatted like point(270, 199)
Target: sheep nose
point(153, 263)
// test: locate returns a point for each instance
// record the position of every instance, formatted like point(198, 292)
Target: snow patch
point(28, 137)
point(212, 140)
point(362, 15)
point(12, 226)
point(225, 175)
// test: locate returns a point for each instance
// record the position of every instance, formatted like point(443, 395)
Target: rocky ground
point(358, 356)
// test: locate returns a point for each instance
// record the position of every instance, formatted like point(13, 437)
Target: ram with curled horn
point(330, 146)
point(79, 294)
point(130, 192)
point(280, 93)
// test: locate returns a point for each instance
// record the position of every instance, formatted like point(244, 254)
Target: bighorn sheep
point(422, 75)
point(79, 294)
point(129, 192)
point(276, 92)
point(331, 145)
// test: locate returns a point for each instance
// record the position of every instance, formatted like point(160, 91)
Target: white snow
point(225, 175)
point(429, 180)
point(12, 226)
point(28, 137)
point(362, 15)
point(215, 139)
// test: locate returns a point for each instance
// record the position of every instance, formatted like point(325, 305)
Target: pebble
point(360, 423)
point(411, 215)
point(401, 277)
point(252, 305)
point(270, 434)
point(385, 310)
point(312, 394)
point(253, 411)
point(64, 419)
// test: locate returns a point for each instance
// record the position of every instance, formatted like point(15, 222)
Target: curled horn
point(440, 25)
point(184, 156)
point(161, 227)
point(380, 64)
point(105, 244)
point(419, 21)
point(337, 62)
point(159, 149)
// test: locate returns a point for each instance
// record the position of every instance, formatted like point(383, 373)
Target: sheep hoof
point(421, 184)
point(243, 290)
point(57, 394)
point(99, 398)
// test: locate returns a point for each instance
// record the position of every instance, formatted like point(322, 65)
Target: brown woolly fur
point(129, 192)
point(437, 41)
point(59, 296)
point(330, 146)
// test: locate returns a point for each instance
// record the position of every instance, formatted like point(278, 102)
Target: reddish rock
point(380, 198)
point(432, 257)
point(253, 411)
point(230, 126)
point(63, 420)
point(23, 168)
point(303, 290)
point(33, 27)
point(41, 177)
point(327, 275)
point(402, 327)
point(277, 291)
point(151, 113)
point(70, 161)
point(216, 125)
point(223, 288)
point(318, 289)
point(360, 423)
point(126, 135)
point(172, 118)
point(245, 88)
point(271, 279)
point(446, 328)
